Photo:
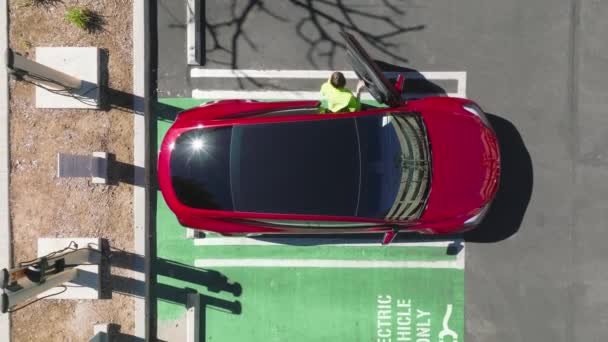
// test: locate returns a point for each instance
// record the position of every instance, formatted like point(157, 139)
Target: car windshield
point(396, 161)
point(373, 166)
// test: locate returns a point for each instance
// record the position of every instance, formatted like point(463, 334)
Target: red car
point(241, 167)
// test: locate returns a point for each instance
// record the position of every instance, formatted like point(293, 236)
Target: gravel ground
point(41, 205)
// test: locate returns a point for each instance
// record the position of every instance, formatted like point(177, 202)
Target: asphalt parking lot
point(534, 271)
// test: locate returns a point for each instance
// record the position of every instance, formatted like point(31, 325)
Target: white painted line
point(243, 241)
point(462, 85)
point(315, 74)
point(281, 95)
point(461, 255)
point(459, 76)
point(190, 233)
point(330, 263)
point(139, 153)
point(254, 95)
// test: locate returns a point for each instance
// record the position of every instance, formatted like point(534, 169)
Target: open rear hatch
point(369, 72)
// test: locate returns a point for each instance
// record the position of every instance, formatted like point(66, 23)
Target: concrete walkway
point(5, 227)
point(139, 153)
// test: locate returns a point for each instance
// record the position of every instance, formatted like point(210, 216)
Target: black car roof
point(338, 166)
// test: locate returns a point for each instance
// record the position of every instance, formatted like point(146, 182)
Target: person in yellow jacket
point(339, 98)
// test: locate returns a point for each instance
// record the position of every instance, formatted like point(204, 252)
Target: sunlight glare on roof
point(197, 144)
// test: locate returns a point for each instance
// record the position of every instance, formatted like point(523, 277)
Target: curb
point(5, 223)
point(150, 143)
point(140, 218)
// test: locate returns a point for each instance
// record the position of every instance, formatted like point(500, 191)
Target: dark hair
point(337, 80)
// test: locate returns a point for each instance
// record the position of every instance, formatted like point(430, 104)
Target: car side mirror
point(400, 82)
point(389, 237)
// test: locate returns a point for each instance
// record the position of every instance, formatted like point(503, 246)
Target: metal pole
point(42, 74)
point(193, 317)
point(195, 31)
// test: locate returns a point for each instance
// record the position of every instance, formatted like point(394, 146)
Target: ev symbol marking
point(446, 331)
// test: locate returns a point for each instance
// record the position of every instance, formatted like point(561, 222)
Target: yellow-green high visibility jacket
point(339, 100)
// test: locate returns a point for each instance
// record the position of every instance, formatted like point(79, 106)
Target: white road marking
point(281, 95)
point(317, 74)
point(243, 241)
point(459, 76)
point(331, 263)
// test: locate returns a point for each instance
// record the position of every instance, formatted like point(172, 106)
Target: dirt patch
point(42, 205)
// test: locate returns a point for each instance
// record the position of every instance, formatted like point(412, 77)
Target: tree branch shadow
point(324, 41)
point(321, 21)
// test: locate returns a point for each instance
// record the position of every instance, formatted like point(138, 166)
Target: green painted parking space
point(339, 304)
point(269, 291)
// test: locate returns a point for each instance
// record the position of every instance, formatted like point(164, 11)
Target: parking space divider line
point(317, 74)
point(197, 72)
point(330, 263)
point(215, 94)
point(239, 241)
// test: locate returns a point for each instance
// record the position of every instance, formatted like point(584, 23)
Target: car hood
point(465, 160)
